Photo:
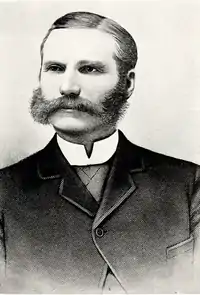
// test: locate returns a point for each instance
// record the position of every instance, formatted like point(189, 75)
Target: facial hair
point(110, 110)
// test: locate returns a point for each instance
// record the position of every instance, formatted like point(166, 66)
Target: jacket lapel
point(120, 184)
point(118, 187)
point(52, 164)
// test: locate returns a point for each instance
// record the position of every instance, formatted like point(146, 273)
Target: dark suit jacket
point(55, 239)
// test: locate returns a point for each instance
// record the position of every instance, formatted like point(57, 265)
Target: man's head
point(86, 74)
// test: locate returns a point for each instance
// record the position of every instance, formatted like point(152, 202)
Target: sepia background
point(165, 108)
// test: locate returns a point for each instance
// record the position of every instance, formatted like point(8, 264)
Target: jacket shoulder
point(25, 167)
point(152, 160)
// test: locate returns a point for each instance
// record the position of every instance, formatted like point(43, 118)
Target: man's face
point(79, 88)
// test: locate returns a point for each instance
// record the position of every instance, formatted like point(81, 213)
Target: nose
point(70, 87)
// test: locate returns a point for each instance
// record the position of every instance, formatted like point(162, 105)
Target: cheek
point(95, 87)
point(50, 85)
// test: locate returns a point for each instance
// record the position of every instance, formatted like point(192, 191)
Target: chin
point(69, 126)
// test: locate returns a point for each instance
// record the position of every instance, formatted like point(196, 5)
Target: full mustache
point(79, 104)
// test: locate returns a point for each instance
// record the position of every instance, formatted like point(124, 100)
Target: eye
point(55, 68)
point(89, 70)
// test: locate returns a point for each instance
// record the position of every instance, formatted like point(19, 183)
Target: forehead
point(79, 44)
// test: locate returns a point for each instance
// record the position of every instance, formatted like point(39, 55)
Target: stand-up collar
point(102, 151)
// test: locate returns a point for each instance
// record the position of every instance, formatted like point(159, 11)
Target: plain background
point(165, 108)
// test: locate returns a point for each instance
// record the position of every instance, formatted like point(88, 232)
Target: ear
point(130, 82)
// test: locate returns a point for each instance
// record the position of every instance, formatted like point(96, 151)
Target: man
point(91, 212)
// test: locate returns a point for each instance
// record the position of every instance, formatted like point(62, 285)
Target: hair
point(126, 53)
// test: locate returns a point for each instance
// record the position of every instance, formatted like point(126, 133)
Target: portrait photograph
point(100, 147)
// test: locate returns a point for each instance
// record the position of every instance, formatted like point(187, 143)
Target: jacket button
point(99, 232)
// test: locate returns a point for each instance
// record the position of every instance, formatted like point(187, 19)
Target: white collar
point(102, 151)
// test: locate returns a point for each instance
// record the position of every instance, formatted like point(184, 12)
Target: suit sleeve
point(3, 189)
point(195, 204)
